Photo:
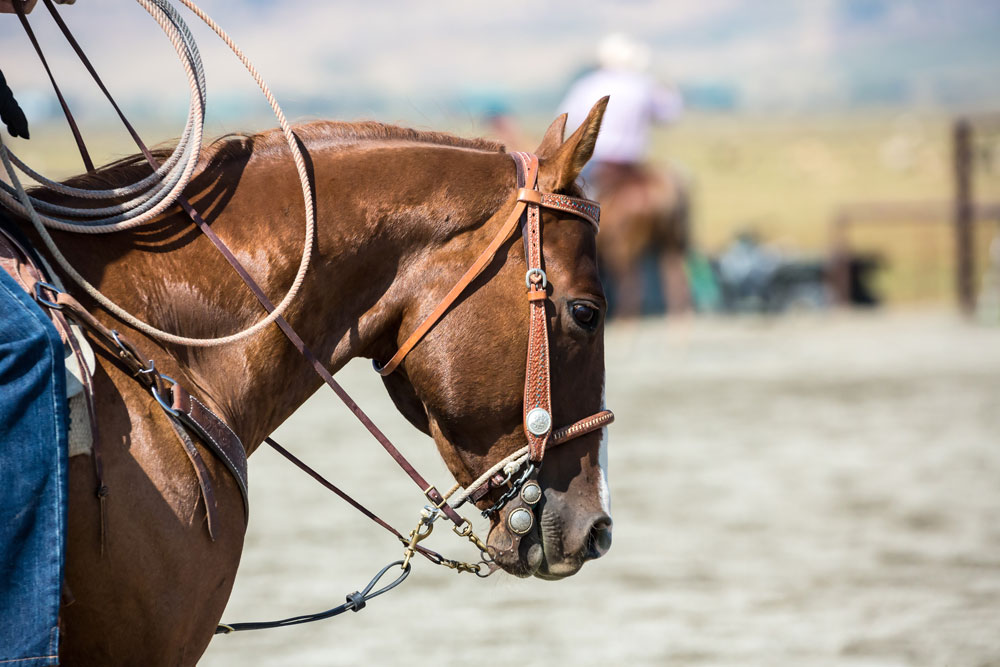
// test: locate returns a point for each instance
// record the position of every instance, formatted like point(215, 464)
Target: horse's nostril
point(600, 538)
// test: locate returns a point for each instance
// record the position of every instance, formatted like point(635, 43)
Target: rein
point(515, 505)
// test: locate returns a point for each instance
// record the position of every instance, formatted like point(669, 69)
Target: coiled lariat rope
point(154, 194)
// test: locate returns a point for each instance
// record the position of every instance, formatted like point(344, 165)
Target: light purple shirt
point(637, 102)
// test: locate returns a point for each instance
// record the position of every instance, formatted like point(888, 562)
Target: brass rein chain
point(425, 526)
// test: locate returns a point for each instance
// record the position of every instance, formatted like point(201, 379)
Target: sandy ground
point(817, 490)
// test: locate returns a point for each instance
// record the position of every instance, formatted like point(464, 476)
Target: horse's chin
point(525, 560)
point(533, 556)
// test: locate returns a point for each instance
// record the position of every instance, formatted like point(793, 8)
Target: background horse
point(400, 214)
point(643, 211)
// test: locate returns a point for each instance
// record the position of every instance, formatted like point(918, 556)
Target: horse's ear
point(566, 163)
point(553, 138)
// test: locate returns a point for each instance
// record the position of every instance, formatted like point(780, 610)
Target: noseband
point(518, 517)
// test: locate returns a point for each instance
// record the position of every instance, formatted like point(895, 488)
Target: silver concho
point(520, 521)
point(531, 493)
point(538, 421)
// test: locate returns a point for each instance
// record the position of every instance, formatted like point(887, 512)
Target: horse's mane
point(238, 145)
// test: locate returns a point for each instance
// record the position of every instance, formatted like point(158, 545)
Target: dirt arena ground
point(819, 490)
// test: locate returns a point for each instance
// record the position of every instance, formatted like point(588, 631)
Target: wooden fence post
point(963, 212)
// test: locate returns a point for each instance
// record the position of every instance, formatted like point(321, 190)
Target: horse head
point(463, 383)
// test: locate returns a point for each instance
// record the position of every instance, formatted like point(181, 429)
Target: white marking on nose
point(602, 457)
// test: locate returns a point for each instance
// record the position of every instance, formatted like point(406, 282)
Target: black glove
point(10, 112)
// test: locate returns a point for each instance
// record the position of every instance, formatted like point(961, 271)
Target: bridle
point(521, 495)
point(537, 411)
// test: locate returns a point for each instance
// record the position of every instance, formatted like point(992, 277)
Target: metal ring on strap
point(159, 399)
point(535, 272)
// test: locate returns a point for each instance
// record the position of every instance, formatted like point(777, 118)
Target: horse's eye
point(585, 315)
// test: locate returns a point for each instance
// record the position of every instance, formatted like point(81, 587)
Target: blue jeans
point(33, 423)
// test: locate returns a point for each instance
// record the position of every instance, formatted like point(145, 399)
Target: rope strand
point(163, 187)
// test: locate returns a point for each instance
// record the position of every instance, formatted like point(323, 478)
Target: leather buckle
point(39, 286)
point(433, 490)
point(163, 404)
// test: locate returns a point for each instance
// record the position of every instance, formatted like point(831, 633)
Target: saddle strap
point(201, 473)
point(95, 432)
point(186, 410)
point(216, 435)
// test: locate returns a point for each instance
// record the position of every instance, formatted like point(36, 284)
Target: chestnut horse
point(400, 216)
point(643, 211)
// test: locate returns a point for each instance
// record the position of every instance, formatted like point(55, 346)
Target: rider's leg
point(628, 289)
point(33, 419)
point(676, 286)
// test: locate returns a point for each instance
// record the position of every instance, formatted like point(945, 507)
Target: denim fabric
point(33, 423)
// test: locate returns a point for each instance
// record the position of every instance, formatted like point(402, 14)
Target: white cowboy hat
point(620, 51)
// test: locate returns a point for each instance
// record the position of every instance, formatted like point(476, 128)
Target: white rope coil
point(160, 193)
point(154, 194)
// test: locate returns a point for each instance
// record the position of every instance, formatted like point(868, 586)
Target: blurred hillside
point(396, 60)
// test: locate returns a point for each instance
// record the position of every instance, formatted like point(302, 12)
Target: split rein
point(538, 423)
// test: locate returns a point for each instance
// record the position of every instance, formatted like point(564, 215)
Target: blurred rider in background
point(644, 209)
point(637, 102)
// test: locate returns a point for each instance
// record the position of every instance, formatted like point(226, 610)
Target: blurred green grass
point(786, 177)
point(781, 176)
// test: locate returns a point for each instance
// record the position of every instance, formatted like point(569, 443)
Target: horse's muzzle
point(557, 545)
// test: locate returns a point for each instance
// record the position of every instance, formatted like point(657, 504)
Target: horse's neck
point(367, 227)
point(336, 312)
